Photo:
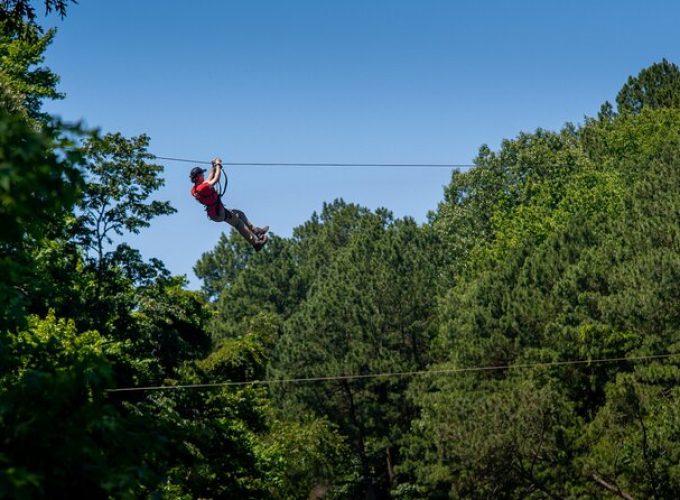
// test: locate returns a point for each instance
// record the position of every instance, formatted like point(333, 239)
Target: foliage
point(23, 86)
point(493, 437)
point(584, 273)
point(54, 444)
point(310, 456)
point(38, 185)
point(119, 182)
point(558, 251)
point(560, 246)
point(655, 87)
point(19, 15)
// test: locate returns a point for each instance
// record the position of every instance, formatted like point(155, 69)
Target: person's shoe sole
point(258, 246)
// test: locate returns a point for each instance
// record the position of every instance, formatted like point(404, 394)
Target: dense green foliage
point(560, 247)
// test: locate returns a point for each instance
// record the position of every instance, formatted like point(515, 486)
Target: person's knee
point(218, 217)
point(234, 219)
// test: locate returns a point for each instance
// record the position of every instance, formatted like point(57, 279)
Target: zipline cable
point(343, 165)
point(330, 165)
point(449, 371)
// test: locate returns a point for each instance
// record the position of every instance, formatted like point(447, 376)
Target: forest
point(524, 342)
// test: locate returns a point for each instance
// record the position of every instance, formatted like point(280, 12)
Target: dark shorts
point(222, 214)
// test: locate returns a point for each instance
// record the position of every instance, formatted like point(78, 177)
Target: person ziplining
point(204, 192)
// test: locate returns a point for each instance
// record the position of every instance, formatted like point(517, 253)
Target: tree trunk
point(390, 465)
point(361, 449)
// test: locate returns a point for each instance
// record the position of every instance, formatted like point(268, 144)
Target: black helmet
point(195, 172)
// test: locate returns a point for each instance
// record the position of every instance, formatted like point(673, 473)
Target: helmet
point(195, 173)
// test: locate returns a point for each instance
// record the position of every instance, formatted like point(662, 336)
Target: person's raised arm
point(215, 172)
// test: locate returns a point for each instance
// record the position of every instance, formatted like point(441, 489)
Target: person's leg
point(238, 220)
point(259, 231)
point(217, 213)
point(221, 214)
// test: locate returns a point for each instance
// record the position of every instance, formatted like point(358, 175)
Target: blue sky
point(395, 81)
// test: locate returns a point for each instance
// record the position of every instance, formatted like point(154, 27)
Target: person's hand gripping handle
point(216, 164)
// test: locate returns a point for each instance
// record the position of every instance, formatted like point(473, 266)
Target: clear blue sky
point(339, 81)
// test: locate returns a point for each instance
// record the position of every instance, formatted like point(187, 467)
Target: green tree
point(115, 201)
point(18, 15)
point(119, 182)
point(60, 434)
point(476, 202)
point(480, 438)
point(657, 86)
point(38, 186)
point(368, 311)
point(24, 83)
point(580, 268)
point(311, 454)
point(277, 280)
point(170, 324)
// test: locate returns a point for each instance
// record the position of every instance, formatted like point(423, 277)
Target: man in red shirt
point(204, 192)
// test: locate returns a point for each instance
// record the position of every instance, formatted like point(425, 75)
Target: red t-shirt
point(206, 195)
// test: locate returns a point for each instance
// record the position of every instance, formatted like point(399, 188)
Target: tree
point(476, 202)
point(368, 311)
point(23, 86)
point(170, 324)
point(580, 269)
point(119, 182)
point(18, 15)
point(657, 86)
point(479, 438)
point(313, 455)
point(61, 434)
point(242, 283)
point(38, 187)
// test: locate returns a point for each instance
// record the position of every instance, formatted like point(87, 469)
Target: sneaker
point(262, 241)
point(261, 231)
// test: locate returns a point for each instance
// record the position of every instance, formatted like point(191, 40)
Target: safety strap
point(223, 189)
